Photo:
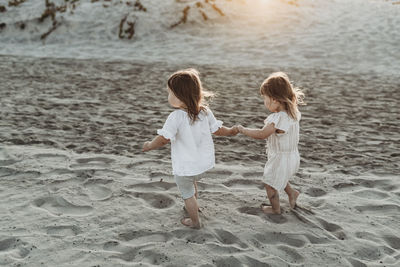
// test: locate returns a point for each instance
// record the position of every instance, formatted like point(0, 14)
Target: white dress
point(283, 154)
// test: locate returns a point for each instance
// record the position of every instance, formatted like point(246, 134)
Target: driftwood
point(51, 11)
point(185, 12)
point(15, 2)
point(214, 6)
point(44, 35)
point(130, 31)
point(139, 7)
point(199, 6)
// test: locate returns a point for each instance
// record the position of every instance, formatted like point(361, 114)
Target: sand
point(76, 190)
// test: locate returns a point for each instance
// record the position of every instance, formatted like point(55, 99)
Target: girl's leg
point(292, 194)
point(192, 209)
point(273, 197)
point(195, 189)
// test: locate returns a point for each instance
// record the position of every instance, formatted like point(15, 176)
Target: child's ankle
point(276, 211)
point(196, 225)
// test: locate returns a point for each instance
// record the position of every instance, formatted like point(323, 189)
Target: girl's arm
point(223, 131)
point(157, 142)
point(263, 133)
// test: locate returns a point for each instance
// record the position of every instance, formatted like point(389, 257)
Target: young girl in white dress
point(281, 130)
point(189, 130)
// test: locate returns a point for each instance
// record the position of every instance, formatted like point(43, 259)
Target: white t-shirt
point(192, 146)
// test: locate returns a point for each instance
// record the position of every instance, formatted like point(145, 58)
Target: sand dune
point(76, 189)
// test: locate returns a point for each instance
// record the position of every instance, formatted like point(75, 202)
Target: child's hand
point(146, 146)
point(240, 128)
point(234, 130)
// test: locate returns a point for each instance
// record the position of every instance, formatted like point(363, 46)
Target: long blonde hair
point(278, 87)
point(187, 87)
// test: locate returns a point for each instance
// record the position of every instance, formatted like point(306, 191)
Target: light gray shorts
point(186, 185)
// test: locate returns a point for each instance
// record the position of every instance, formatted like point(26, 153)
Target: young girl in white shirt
point(281, 130)
point(189, 129)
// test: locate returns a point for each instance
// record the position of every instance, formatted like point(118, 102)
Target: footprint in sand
point(60, 206)
point(367, 252)
point(288, 254)
point(345, 186)
point(157, 201)
point(97, 191)
point(335, 229)
point(315, 192)
point(392, 241)
point(126, 253)
point(250, 210)
point(15, 247)
point(274, 218)
point(228, 238)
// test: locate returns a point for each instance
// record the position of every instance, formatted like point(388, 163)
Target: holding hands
point(234, 130)
point(240, 128)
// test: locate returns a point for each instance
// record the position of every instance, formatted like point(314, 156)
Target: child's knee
point(270, 188)
point(273, 195)
point(188, 193)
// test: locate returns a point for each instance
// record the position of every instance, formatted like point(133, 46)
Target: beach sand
point(76, 190)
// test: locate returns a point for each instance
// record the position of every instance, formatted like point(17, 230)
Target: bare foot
point(293, 198)
point(269, 210)
point(188, 222)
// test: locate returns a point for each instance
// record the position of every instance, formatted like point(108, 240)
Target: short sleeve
point(280, 119)
point(213, 122)
point(170, 128)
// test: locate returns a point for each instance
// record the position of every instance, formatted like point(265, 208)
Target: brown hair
point(186, 86)
point(278, 87)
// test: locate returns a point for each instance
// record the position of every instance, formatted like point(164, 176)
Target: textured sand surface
point(76, 190)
